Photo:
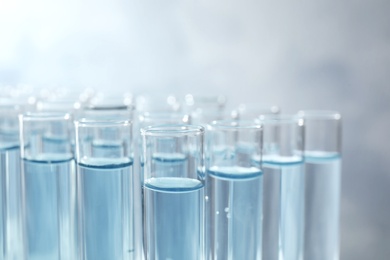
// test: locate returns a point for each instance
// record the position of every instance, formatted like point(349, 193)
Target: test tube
point(49, 187)
point(113, 111)
point(11, 232)
point(68, 105)
point(105, 190)
point(173, 192)
point(147, 119)
point(283, 168)
point(234, 190)
point(111, 99)
point(205, 109)
point(322, 177)
point(157, 103)
point(252, 111)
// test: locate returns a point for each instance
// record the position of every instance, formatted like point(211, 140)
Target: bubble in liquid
point(217, 212)
point(226, 209)
point(206, 198)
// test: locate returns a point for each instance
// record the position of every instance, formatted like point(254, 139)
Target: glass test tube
point(322, 177)
point(147, 119)
point(11, 231)
point(102, 99)
point(157, 103)
point(173, 192)
point(252, 111)
point(283, 170)
point(234, 190)
point(49, 186)
point(107, 112)
point(105, 190)
point(69, 105)
point(205, 109)
point(116, 109)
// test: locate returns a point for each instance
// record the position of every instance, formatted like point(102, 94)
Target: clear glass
point(58, 103)
point(70, 106)
point(112, 99)
point(66, 93)
point(49, 186)
point(283, 168)
point(114, 111)
point(173, 192)
point(22, 94)
point(234, 182)
point(157, 103)
point(323, 177)
point(147, 119)
point(11, 228)
point(252, 111)
point(106, 199)
point(205, 109)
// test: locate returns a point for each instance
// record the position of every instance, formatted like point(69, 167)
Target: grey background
point(323, 54)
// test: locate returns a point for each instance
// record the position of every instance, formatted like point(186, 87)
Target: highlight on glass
point(234, 190)
point(173, 192)
point(323, 177)
point(283, 168)
point(49, 186)
point(106, 196)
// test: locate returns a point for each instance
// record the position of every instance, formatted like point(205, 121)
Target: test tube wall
point(173, 192)
point(11, 228)
point(323, 177)
point(49, 186)
point(283, 168)
point(234, 187)
point(105, 190)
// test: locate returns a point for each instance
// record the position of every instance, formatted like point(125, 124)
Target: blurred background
point(321, 54)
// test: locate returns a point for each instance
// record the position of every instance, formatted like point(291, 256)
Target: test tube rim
point(319, 114)
point(84, 122)
point(44, 116)
point(172, 130)
point(234, 125)
point(108, 107)
point(258, 106)
point(278, 119)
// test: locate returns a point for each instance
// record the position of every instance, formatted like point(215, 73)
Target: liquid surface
point(107, 149)
point(169, 164)
point(235, 172)
point(174, 218)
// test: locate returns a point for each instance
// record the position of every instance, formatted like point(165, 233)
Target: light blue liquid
point(106, 209)
point(11, 215)
point(174, 209)
point(234, 213)
point(55, 144)
point(283, 216)
point(322, 205)
point(50, 207)
point(3, 170)
point(107, 149)
point(11, 228)
point(169, 164)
